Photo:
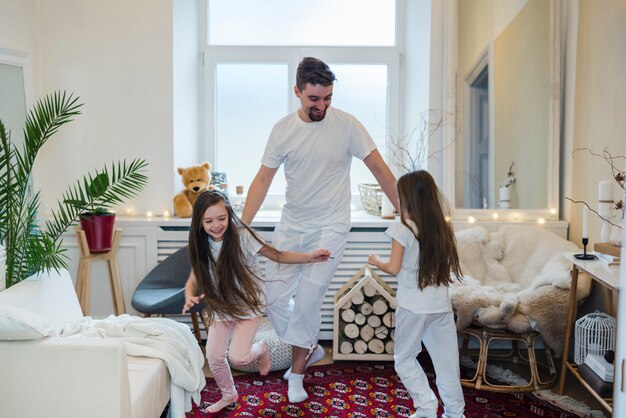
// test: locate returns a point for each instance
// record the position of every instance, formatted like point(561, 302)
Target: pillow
point(21, 324)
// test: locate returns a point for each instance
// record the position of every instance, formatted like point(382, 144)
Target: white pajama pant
point(295, 292)
point(438, 332)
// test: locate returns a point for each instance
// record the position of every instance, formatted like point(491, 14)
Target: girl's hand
point(319, 255)
point(373, 259)
point(191, 301)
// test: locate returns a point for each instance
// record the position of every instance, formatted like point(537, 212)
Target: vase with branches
point(29, 247)
point(409, 150)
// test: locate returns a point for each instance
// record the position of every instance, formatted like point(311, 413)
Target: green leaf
point(29, 248)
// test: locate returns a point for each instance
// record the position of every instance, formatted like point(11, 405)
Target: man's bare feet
point(265, 359)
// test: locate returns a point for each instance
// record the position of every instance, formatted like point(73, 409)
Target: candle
point(387, 209)
point(585, 221)
point(605, 191)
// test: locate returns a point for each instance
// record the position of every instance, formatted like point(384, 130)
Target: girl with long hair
point(425, 260)
point(222, 250)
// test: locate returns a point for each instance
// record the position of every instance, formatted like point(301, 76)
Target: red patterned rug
point(360, 389)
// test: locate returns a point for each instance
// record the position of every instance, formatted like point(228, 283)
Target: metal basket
point(371, 198)
point(594, 334)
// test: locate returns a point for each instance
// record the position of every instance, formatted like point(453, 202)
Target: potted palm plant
point(29, 247)
point(96, 195)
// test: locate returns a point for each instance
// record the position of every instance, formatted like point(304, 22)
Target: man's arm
point(384, 176)
point(257, 192)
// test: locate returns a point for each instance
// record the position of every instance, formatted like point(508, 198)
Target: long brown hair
point(422, 202)
point(231, 287)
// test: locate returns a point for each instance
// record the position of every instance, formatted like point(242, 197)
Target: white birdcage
point(594, 334)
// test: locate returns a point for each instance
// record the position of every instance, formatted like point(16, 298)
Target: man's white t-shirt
point(317, 158)
point(431, 299)
point(250, 247)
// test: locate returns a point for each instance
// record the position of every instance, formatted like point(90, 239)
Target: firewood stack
point(364, 318)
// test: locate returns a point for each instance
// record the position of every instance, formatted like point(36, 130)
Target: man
point(316, 144)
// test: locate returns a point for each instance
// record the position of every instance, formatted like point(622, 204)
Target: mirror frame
point(20, 59)
point(551, 212)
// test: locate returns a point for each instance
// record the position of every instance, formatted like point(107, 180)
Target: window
point(250, 59)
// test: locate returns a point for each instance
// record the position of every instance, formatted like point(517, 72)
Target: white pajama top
point(317, 158)
point(431, 299)
point(250, 248)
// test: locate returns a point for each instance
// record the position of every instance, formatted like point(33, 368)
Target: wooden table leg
point(569, 324)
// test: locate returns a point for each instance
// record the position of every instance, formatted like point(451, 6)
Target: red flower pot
point(98, 231)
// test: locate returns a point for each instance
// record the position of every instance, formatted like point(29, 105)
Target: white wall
point(117, 57)
point(599, 103)
point(187, 86)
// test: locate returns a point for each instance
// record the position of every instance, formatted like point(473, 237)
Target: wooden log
point(358, 297)
point(346, 347)
point(369, 290)
point(374, 321)
point(366, 309)
point(367, 333)
point(389, 347)
point(376, 346)
point(360, 347)
point(380, 306)
point(381, 332)
point(352, 331)
point(360, 319)
point(389, 319)
point(348, 315)
point(392, 334)
point(347, 304)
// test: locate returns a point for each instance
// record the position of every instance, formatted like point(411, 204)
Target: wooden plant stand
point(84, 272)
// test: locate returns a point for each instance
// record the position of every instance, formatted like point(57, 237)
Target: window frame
point(212, 55)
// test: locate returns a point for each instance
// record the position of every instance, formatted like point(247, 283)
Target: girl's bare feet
point(222, 403)
point(265, 360)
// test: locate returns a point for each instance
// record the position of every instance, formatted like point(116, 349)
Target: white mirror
point(15, 92)
point(502, 66)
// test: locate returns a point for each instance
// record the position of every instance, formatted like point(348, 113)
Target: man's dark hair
point(315, 72)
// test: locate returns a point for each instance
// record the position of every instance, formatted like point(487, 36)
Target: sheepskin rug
point(516, 277)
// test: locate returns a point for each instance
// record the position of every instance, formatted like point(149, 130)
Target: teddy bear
point(196, 179)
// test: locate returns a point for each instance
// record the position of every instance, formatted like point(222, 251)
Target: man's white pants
point(438, 332)
point(295, 292)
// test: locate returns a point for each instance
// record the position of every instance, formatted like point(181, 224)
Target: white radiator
point(361, 241)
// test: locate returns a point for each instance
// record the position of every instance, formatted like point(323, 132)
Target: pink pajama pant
point(232, 340)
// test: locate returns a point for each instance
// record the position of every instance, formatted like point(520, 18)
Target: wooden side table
point(84, 272)
point(608, 278)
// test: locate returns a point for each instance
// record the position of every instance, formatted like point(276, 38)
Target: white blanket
point(160, 338)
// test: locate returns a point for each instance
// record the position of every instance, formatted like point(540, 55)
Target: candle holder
point(584, 255)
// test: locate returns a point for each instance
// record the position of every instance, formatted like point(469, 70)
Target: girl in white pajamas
point(222, 250)
point(425, 261)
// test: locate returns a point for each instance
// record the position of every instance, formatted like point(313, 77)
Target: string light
point(471, 219)
point(553, 211)
point(149, 214)
point(541, 221)
point(129, 211)
point(166, 214)
point(495, 215)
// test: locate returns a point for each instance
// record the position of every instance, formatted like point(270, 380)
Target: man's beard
point(317, 117)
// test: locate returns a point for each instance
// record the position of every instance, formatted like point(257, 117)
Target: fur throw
point(516, 277)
